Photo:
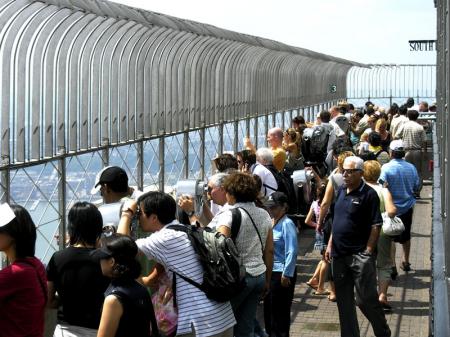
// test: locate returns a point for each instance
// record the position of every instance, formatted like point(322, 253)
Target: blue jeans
point(244, 305)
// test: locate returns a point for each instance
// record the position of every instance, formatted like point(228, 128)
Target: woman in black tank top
point(127, 310)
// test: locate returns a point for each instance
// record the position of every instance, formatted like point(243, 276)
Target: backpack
point(315, 143)
point(223, 269)
point(285, 185)
point(370, 155)
point(343, 124)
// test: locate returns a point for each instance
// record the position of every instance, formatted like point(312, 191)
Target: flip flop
point(325, 292)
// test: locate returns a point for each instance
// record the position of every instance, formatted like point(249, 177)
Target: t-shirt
point(285, 247)
point(279, 158)
point(80, 284)
point(403, 181)
point(174, 251)
point(267, 179)
point(354, 215)
point(22, 298)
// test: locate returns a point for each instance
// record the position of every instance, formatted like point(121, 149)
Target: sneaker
point(406, 266)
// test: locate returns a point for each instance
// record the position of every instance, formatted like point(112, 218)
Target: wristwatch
point(190, 213)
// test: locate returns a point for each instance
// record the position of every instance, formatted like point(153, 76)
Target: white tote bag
point(392, 226)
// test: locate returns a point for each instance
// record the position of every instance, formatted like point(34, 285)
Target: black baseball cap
point(109, 175)
point(101, 253)
point(276, 199)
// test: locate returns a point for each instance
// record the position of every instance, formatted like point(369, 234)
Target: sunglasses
point(350, 171)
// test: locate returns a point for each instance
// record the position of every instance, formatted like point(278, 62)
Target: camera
point(303, 180)
point(193, 188)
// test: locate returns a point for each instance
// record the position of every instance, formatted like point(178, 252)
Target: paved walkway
point(409, 294)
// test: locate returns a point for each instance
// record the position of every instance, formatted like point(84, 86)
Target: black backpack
point(285, 185)
point(315, 143)
point(223, 270)
point(370, 155)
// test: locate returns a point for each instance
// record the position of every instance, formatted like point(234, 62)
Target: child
point(317, 281)
point(127, 310)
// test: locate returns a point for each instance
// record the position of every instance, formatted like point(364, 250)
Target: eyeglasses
point(350, 171)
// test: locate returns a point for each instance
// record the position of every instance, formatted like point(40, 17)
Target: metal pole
point(62, 202)
point(161, 163)
point(236, 136)
point(202, 152)
point(186, 154)
point(140, 165)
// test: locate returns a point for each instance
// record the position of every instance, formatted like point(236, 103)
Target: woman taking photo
point(23, 289)
point(278, 301)
point(76, 278)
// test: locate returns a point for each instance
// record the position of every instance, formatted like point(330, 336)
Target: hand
point(131, 205)
point(186, 203)
point(265, 290)
point(328, 254)
point(285, 281)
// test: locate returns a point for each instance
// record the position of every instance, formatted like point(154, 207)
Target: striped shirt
point(247, 240)
point(174, 251)
point(413, 135)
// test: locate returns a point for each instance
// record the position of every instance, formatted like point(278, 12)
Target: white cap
point(97, 186)
point(6, 215)
point(397, 145)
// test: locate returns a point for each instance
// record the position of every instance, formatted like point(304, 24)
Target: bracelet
point(128, 210)
point(127, 214)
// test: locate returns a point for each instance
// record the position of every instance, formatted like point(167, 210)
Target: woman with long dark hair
point(23, 288)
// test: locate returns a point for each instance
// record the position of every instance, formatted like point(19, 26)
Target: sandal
point(386, 306)
point(332, 298)
point(406, 266)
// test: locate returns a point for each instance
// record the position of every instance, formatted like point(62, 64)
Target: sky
point(366, 31)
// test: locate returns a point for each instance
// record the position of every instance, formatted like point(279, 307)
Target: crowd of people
point(363, 165)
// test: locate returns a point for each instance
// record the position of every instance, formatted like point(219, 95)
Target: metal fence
point(441, 194)
point(384, 84)
point(85, 84)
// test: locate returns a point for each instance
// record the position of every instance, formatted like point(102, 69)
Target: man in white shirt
point(112, 183)
point(173, 250)
point(264, 156)
point(398, 121)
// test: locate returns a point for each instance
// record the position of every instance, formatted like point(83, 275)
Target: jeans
point(244, 305)
point(357, 272)
point(277, 306)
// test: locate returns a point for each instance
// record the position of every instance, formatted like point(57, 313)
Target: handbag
point(392, 226)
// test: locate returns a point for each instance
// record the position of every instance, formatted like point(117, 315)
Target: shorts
point(407, 221)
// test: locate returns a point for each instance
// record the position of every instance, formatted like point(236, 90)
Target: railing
point(92, 83)
point(440, 314)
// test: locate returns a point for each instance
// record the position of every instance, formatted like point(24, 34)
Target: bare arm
point(326, 202)
point(308, 219)
point(268, 259)
point(51, 295)
point(111, 314)
point(225, 230)
point(389, 206)
point(373, 238)
point(129, 209)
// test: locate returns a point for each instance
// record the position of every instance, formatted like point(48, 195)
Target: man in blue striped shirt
point(402, 180)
